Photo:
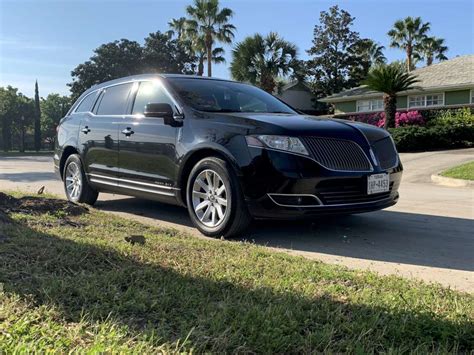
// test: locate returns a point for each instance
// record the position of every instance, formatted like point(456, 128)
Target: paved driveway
point(427, 235)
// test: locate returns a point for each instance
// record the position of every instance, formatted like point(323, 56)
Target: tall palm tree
point(407, 34)
point(431, 48)
point(370, 51)
point(260, 60)
point(177, 27)
point(210, 22)
point(390, 79)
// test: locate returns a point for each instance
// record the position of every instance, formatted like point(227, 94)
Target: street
point(428, 235)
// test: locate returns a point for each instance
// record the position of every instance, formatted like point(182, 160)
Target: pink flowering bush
point(409, 118)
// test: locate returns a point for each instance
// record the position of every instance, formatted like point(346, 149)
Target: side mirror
point(164, 111)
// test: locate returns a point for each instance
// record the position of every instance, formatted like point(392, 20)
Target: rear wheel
point(75, 183)
point(214, 198)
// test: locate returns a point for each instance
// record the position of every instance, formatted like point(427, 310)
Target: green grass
point(464, 171)
point(71, 283)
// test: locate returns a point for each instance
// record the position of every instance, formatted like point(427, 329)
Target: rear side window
point(114, 100)
point(86, 104)
point(150, 92)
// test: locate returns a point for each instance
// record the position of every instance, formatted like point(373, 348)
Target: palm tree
point(177, 27)
point(260, 60)
point(211, 23)
point(390, 79)
point(431, 48)
point(408, 34)
point(370, 51)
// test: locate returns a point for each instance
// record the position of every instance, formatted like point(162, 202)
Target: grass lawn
point(70, 282)
point(465, 171)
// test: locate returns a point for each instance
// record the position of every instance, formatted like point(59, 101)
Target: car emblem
point(372, 155)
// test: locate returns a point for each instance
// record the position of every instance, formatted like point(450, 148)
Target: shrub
point(417, 138)
point(459, 117)
point(402, 119)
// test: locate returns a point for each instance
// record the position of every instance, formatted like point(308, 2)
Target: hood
point(303, 125)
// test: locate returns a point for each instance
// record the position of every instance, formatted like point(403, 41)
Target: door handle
point(128, 132)
point(86, 130)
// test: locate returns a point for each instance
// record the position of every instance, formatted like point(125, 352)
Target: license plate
point(378, 183)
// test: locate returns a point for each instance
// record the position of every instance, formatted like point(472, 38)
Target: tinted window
point(86, 104)
point(226, 96)
point(150, 92)
point(114, 100)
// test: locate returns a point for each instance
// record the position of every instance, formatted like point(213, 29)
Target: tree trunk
point(390, 108)
point(409, 55)
point(209, 54)
point(429, 60)
point(201, 66)
point(267, 83)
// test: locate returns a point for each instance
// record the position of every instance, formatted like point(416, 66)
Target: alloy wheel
point(209, 197)
point(73, 181)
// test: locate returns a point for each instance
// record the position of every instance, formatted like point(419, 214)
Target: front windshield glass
point(226, 96)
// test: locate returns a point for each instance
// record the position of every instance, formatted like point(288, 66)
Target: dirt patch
point(38, 205)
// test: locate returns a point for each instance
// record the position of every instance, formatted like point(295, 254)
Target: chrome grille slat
point(337, 154)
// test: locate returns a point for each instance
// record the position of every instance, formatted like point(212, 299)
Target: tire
point(76, 186)
point(205, 199)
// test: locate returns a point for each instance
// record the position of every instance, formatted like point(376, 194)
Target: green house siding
point(401, 102)
point(345, 107)
point(460, 97)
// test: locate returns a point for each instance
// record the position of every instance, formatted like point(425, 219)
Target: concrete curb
point(451, 182)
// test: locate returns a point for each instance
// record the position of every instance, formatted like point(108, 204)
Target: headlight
point(289, 144)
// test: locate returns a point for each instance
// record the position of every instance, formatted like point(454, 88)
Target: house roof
point(295, 83)
point(456, 73)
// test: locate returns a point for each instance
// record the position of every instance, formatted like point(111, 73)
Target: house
point(298, 94)
point(448, 84)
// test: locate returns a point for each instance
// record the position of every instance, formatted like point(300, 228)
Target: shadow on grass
point(104, 283)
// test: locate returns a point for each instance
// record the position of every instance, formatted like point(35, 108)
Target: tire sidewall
point(222, 169)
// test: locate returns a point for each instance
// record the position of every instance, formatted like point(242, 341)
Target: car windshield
point(226, 96)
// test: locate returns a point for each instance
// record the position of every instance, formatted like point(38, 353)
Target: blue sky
point(46, 39)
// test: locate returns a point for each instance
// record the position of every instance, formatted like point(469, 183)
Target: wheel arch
point(191, 159)
point(67, 152)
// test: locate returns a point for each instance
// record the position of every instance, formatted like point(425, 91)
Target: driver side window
point(150, 92)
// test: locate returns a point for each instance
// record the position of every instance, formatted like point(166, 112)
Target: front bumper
point(272, 177)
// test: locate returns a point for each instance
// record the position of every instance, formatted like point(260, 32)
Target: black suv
point(227, 151)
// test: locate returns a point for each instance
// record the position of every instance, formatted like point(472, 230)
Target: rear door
point(99, 134)
point(148, 145)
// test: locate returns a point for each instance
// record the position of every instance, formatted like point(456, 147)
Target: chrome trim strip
point(134, 182)
point(295, 195)
point(132, 187)
point(327, 206)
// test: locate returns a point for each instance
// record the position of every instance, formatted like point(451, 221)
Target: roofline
point(407, 92)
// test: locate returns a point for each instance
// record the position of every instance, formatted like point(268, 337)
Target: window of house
point(472, 96)
point(425, 100)
point(114, 100)
point(369, 105)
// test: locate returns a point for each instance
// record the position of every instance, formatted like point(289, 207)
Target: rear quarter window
point(87, 103)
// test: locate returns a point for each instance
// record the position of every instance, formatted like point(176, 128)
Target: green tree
point(390, 80)
point(332, 58)
point(37, 119)
point(261, 60)
point(161, 54)
point(53, 108)
point(432, 48)
point(178, 27)
point(209, 22)
point(24, 120)
point(408, 35)
point(366, 53)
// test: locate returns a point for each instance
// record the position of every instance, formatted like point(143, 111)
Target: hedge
point(418, 138)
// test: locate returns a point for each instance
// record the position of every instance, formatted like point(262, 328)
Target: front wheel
point(76, 185)
point(215, 200)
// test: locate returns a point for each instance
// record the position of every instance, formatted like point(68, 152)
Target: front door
point(147, 146)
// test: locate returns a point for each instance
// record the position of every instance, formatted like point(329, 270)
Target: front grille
point(343, 191)
point(386, 154)
point(337, 154)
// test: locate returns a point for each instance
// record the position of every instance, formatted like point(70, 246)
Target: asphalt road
point(428, 235)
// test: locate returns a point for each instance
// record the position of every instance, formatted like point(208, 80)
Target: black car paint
point(159, 156)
